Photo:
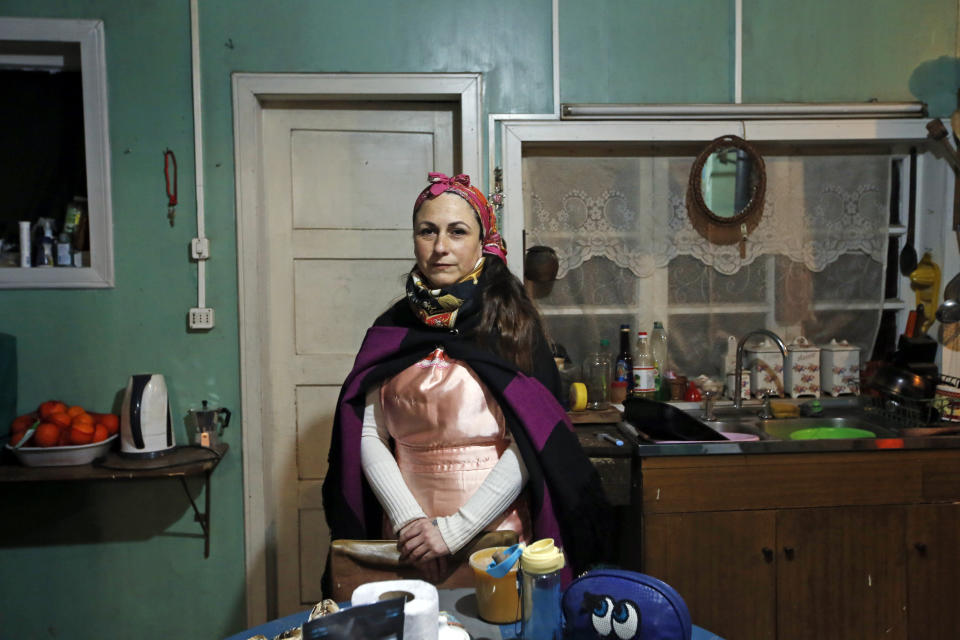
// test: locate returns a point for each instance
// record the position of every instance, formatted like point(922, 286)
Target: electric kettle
point(145, 427)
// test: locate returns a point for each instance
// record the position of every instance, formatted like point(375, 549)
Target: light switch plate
point(200, 248)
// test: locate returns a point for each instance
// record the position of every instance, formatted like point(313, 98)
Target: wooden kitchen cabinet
point(841, 573)
point(716, 559)
point(933, 564)
point(798, 546)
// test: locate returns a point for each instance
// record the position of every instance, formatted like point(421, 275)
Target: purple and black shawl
point(566, 498)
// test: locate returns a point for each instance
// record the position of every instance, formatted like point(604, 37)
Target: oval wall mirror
point(726, 190)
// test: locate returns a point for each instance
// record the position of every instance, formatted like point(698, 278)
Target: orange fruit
point(60, 418)
point(22, 423)
point(47, 435)
point(111, 422)
point(100, 433)
point(82, 418)
point(75, 410)
point(64, 440)
point(50, 407)
point(81, 433)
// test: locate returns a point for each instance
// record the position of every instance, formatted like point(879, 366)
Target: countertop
point(596, 447)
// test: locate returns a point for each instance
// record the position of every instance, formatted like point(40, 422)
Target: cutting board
point(589, 416)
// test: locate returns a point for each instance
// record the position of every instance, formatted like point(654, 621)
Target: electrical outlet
point(201, 318)
point(200, 248)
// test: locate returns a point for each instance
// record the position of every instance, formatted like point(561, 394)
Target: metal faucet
point(737, 397)
point(708, 410)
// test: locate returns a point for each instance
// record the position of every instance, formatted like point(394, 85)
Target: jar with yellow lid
point(540, 567)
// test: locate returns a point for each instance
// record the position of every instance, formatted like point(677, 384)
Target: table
point(462, 603)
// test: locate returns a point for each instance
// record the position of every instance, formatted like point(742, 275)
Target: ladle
point(949, 310)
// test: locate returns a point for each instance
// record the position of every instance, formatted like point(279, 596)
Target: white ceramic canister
point(732, 382)
point(840, 368)
point(801, 375)
point(765, 363)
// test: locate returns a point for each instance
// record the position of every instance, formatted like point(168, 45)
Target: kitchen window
point(818, 264)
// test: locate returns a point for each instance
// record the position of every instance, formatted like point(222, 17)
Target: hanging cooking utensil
point(925, 282)
point(949, 311)
point(908, 256)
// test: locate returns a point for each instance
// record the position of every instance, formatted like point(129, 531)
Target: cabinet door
point(841, 573)
point(722, 564)
point(933, 570)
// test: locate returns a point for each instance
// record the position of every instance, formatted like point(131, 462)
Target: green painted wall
point(95, 560)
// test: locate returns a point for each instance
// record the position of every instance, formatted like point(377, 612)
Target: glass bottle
point(644, 369)
point(596, 374)
point(623, 371)
point(658, 342)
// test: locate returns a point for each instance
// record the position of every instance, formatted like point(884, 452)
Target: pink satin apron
point(448, 433)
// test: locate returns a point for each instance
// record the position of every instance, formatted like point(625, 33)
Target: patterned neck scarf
point(443, 308)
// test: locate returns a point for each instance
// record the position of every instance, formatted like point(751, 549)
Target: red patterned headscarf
point(460, 185)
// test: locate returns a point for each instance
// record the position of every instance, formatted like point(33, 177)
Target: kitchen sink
point(815, 428)
point(835, 424)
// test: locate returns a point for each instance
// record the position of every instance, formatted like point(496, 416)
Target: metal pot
point(900, 382)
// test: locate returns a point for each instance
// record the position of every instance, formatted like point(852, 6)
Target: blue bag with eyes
point(614, 604)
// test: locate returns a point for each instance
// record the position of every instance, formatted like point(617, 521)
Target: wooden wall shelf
point(184, 462)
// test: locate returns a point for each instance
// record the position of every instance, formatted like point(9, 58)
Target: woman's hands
point(420, 542)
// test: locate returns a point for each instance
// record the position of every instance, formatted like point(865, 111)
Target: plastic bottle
point(541, 590)
point(43, 247)
point(644, 369)
point(623, 369)
point(658, 342)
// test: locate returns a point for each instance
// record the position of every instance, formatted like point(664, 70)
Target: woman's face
point(446, 239)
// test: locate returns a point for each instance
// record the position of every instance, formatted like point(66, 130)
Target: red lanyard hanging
point(168, 157)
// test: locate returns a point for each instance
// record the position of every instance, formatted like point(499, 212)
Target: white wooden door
point(339, 185)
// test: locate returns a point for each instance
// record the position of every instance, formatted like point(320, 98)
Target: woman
point(451, 409)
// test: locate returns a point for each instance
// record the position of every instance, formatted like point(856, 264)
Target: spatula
point(908, 256)
point(27, 435)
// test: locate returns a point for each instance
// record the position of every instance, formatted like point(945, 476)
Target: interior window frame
point(89, 35)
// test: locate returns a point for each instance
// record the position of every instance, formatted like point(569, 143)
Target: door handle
point(767, 554)
point(788, 551)
point(921, 548)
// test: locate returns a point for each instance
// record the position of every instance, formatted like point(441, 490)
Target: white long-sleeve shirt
point(498, 490)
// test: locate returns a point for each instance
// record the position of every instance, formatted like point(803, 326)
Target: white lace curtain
point(813, 266)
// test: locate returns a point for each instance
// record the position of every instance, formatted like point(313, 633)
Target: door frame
point(250, 91)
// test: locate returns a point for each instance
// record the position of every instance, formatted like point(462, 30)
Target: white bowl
point(62, 456)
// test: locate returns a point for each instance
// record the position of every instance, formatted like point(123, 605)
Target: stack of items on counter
point(640, 370)
point(518, 587)
point(640, 373)
point(809, 371)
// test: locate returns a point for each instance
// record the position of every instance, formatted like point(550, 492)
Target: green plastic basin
point(835, 433)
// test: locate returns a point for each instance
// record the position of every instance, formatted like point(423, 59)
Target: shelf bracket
point(202, 518)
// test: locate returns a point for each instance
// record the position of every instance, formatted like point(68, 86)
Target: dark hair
point(510, 323)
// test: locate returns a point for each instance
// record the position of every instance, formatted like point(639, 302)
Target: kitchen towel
point(420, 612)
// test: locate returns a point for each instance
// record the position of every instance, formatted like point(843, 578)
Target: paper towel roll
point(420, 613)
